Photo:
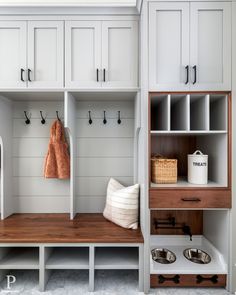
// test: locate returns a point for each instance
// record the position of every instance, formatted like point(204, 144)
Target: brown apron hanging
point(57, 162)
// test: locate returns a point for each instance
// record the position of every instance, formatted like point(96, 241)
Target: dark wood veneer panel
point(192, 218)
point(188, 281)
point(174, 198)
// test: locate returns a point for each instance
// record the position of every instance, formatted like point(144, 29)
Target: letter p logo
point(10, 280)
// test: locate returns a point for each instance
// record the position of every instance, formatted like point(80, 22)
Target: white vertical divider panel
point(44, 274)
point(143, 146)
point(91, 268)
point(232, 281)
point(137, 127)
point(207, 112)
point(70, 124)
point(168, 112)
point(7, 205)
point(187, 112)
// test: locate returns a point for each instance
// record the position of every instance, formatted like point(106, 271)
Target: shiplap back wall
point(103, 151)
point(32, 192)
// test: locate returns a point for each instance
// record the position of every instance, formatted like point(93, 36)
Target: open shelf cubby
point(179, 146)
point(193, 113)
point(116, 258)
point(19, 258)
point(67, 258)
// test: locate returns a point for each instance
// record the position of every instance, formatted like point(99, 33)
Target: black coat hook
point(43, 121)
point(90, 119)
point(104, 118)
point(27, 121)
point(58, 116)
point(119, 120)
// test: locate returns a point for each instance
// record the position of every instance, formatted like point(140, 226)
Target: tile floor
point(107, 283)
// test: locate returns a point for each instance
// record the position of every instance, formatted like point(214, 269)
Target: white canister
point(198, 168)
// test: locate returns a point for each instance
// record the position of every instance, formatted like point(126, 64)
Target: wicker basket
point(164, 170)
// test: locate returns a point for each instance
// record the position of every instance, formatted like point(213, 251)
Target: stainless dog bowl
point(197, 256)
point(163, 256)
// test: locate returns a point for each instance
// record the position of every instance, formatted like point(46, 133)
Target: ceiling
point(117, 3)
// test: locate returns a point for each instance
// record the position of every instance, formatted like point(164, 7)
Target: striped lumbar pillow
point(122, 204)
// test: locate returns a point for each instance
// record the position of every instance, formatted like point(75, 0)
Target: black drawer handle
point(191, 200)
point(22, 74)
point(29, 79)
point(104, 75)
point(195, 74)
point(187, 74)
point(163, 279)
point(213, 279)
point(97, 75)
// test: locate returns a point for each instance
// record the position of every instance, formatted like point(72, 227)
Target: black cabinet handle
point(104, 75)
point(21, 75)
point(195, 74)
point(97, 75)
point(163, 279)
point(187, 74)
point(191, 200)
point(29, 79)
point(213, 279)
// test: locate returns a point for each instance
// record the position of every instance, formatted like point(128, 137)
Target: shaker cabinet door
point(120, 53)
point(13, 54)
point(168, 46)
point(210, 45)
point(45, 54)
point(83, 54)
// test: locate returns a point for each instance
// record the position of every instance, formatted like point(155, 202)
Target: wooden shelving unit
point(181, 123)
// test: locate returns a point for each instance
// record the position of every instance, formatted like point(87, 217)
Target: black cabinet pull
point(104, 75)
point(21, 75)
point(191, 200)
point(97, 75)
point(213, 279)
point(163, 279)
point(29, 79)
point(195, 74)
point(187, 74)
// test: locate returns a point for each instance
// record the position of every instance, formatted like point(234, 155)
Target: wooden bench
point(53, 241)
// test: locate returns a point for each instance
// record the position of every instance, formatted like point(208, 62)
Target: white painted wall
point(32, 193)
point(103, 151)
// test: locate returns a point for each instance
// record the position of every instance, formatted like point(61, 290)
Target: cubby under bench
point(47, 242)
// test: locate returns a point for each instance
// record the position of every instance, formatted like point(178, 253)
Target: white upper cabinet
point(31, 54)
point(190, 46)
point(12, 54)
point(210, 45)
point(119, 54)
point(101, 54)
point(45, 54)
point(168, 46)
point(83, 53)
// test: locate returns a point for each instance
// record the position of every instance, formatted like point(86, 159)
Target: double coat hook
point(119, 120)
point(27, 121)
point(58, 116)
point(104, 118)
point(43, 121)
point(90, 119)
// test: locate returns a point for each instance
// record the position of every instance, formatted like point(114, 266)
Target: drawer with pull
point(187, 280)
point(218, 198)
